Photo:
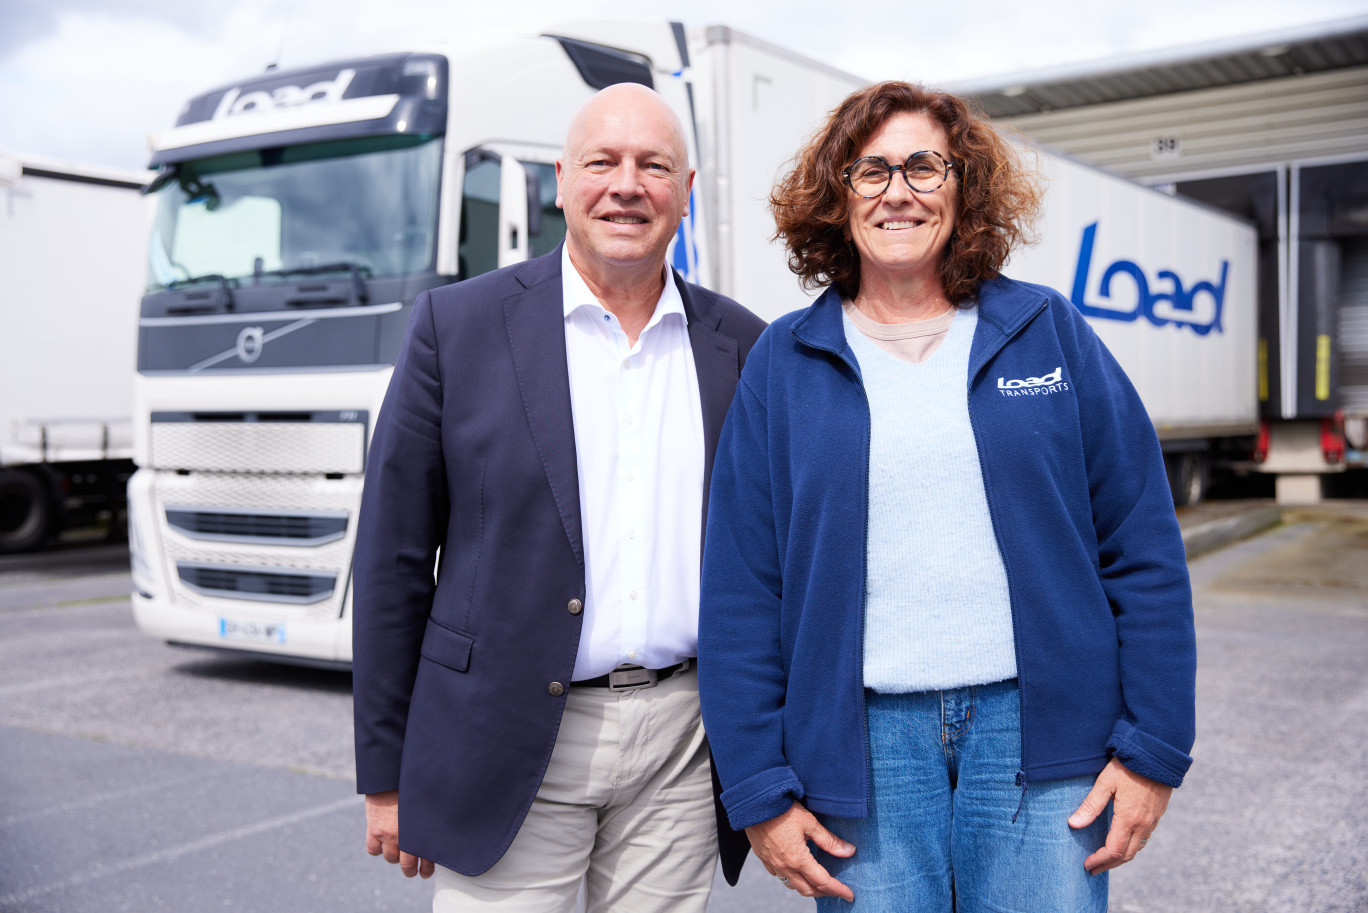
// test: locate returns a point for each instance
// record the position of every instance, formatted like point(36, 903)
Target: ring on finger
point(783, 880)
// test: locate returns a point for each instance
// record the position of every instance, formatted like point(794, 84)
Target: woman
point(946, 618)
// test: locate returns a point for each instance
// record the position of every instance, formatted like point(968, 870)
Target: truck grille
point(260, 442)
point(257, 583)
point(264, 527)
point(233, 522)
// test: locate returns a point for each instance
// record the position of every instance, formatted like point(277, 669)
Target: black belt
point(630, 678)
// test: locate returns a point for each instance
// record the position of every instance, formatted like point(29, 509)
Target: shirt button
point(631, 420)
point(631, 654)
point(575, 606)
point(555, 689)
point(633, 594)
point(631, 476)
point(631, 534)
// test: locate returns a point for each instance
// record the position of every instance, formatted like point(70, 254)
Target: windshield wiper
point(222, 281)
point(357, 272)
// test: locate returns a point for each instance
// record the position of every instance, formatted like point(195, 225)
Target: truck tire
point(25, 511)
point(1188, 478)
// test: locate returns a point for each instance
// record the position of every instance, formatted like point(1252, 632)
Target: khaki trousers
point(625, 808)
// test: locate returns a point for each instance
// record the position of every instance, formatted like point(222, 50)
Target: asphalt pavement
point(90, 825)
point(135, 776)
point(1273, 817)
point(138, 777)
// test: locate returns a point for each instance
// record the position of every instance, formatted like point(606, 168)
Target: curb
point(1214, 534)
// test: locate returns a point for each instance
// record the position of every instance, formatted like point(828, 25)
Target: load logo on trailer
point(684, 252)
point(1197, 307)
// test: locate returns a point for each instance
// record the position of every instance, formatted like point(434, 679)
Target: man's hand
point(382, 834)
point(1137, 804)
point(781, 844)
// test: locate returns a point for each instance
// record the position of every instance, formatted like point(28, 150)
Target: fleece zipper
point(976, 368)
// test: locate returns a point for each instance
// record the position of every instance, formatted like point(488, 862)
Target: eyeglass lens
point(924, 172)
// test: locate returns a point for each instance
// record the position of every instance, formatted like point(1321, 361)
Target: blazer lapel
point(718, 364)
point(535, 321)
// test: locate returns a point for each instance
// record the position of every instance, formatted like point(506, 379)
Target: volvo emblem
point(250, 342)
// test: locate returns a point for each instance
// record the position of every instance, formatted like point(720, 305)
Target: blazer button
point(575, 606)
point(556, 689)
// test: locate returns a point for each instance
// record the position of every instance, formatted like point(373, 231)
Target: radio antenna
point(284, 34)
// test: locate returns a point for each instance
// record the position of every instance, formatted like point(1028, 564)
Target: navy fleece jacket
point(1101, 604)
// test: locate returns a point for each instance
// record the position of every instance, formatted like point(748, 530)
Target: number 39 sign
point(1168, 145)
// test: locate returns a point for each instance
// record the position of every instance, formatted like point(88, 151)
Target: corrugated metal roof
point(1311, 49)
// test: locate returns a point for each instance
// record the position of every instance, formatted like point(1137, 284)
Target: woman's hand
point(781, 844)
point(1137, 804)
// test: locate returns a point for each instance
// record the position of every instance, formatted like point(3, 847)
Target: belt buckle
point(631, 679)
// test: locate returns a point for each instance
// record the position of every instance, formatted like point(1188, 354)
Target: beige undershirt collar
point(913, 341)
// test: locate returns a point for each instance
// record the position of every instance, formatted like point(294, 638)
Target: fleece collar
point(1005, 307)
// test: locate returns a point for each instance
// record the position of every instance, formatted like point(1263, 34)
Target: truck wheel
point(25, 511)
point(1188, 477)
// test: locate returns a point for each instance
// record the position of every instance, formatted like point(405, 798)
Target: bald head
point(632, 103)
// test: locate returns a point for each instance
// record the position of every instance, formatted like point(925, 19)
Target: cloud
point(91, 88)
point(89, 79)
point(30, 21)
point(25, 21)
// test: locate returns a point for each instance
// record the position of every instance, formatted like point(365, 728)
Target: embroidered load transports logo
point(1034, 386)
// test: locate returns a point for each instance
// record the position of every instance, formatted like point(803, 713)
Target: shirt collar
point(575, 292)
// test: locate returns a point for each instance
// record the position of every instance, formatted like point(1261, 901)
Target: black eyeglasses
point(924, 172)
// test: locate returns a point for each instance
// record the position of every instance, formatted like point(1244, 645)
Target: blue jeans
point(951, 828)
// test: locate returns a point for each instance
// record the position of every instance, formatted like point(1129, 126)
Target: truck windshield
point(368, 204)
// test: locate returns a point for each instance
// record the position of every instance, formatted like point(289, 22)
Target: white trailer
point(1170, 287)
point(73, 257)
point(301, 212)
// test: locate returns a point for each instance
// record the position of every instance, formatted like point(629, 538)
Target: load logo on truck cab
point(327, 91)
point(1197, 307)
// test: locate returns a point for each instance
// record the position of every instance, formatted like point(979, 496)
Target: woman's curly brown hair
point(999, 198)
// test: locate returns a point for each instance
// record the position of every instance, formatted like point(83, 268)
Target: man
point(530, 717)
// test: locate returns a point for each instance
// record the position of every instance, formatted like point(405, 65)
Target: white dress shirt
point(639, 448)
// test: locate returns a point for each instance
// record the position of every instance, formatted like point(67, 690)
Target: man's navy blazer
point(474, 454)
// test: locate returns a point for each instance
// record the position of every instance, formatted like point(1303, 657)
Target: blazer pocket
point(446, 646)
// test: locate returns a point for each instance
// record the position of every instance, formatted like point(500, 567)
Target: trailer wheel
point(1188, 478)
point(25, 511)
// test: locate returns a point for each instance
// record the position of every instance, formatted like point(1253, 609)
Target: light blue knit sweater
point(937, 610)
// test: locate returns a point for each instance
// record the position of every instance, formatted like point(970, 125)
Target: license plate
point(257, 631)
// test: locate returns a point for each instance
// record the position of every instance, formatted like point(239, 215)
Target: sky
point(89, 80)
